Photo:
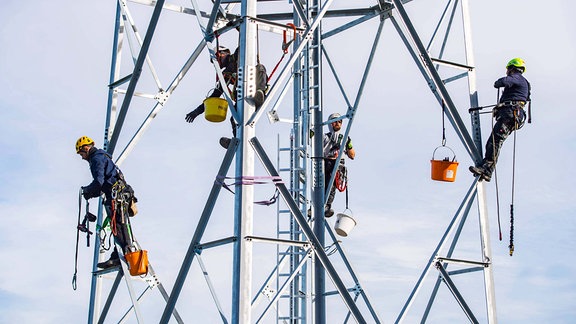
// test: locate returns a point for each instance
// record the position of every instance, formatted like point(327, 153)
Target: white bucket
point(344, 224)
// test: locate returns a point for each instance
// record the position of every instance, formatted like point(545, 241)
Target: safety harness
point(123, 203)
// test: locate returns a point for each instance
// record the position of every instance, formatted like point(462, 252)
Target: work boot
point(225, 142)
point(484, 173)
point(487, 175)
point(328, 211)
point(477, 171)
point(114, 261)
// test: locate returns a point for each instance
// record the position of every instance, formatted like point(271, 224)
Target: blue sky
point(54, 67)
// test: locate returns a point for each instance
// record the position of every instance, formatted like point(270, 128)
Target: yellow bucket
point(138, 262)
point(215, 109)
point(444, 170)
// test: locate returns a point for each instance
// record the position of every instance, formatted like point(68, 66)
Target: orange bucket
point(215, 109)
point(138, 262)
point(444, 170)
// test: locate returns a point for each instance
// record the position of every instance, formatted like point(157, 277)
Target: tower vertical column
point(477, 137)
point(244, 197)
point(318, 197)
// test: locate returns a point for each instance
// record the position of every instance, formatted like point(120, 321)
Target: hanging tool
point(85, 225)
point(481, 107)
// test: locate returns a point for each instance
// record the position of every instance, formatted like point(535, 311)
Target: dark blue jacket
point(516, 87)
point(104, 173)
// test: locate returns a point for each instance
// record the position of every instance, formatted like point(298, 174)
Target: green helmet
point(518, 63)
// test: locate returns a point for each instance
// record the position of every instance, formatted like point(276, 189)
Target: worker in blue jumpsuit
point(229, 63)
point(509, 114)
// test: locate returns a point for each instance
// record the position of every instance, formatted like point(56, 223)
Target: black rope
point(74, 286)
point(498, 205)
point(497, 191)
point(530, 112)
point(346, 195)
point(443, 126)
point(496, 173)
point(511, 246)
point(257, 45)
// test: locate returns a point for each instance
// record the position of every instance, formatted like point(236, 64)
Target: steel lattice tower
point(297, 288)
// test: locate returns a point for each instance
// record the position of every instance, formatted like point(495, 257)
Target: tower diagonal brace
point(316, 246)
point(430, 73)
point(467, 199)
point(202, 224)
point(455, 292)
point(468, 206)
point(135, 75)
point(110, 298)
point(356, 279)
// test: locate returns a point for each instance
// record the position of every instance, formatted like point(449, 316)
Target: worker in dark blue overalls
point(107, 180)
point(509, 114)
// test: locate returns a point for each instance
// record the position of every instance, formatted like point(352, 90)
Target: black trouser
point(508, 119)
point(123, 229)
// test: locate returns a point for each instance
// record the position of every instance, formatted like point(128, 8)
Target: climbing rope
point(347, 197)
point(443, 123)
point(495, 172)
point(511, 245)
point(285, 45)
point(74, 286)
point(518, 123)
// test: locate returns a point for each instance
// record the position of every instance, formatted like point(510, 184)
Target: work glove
point(85, 193)
point(192, 115)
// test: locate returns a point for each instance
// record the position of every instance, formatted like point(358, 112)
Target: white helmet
point(223, 49)
point(334, 116)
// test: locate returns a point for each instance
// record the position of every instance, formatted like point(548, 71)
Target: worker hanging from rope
point(332, 142)
point(119, 199)
point(229, 63)
point(509, 115)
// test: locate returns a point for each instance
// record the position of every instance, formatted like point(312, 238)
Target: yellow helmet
point(84, 140)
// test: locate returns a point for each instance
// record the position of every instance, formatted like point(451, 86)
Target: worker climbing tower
point(311, 277)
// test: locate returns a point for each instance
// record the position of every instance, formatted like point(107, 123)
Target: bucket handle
point(351, 213)
point(209, 92)
point(454, 154)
